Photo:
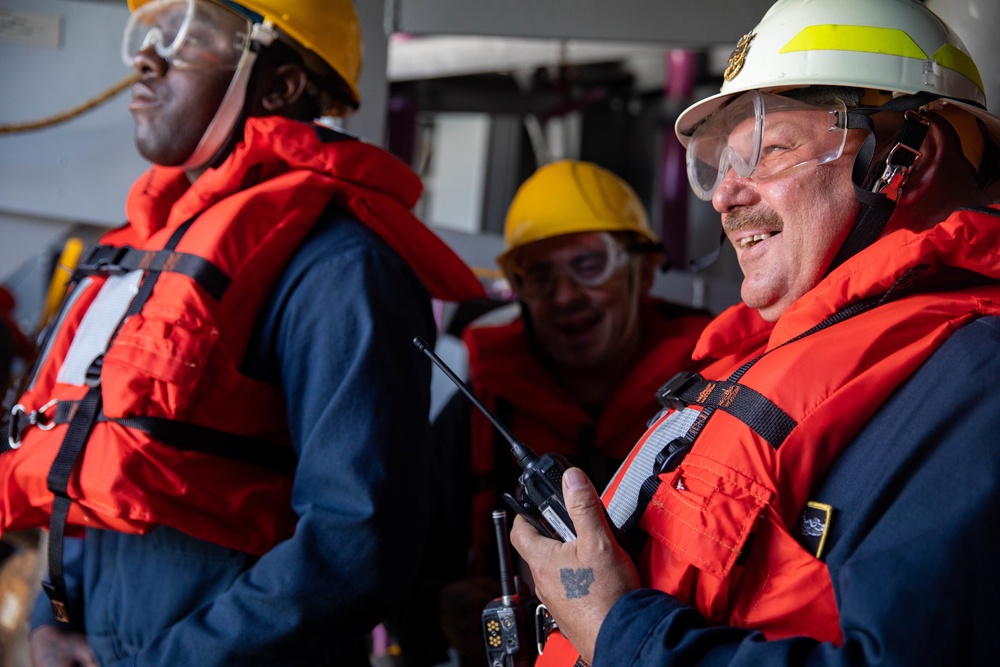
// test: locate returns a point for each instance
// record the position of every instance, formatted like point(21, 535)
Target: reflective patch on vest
point(813, 526)
point(98, 325)
point(626, 498)
point(53, 333)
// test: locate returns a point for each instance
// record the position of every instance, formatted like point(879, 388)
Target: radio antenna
point(521, 451)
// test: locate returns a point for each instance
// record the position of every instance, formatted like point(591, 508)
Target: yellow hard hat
point(568, 197)
point(328, 28)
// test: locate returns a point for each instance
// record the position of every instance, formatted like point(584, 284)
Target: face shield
point(189, 34)
point(761, 136)
point(593, 261)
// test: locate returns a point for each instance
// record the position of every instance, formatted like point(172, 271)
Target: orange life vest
point(719, 525)
point(172, 397)
point(512, 380)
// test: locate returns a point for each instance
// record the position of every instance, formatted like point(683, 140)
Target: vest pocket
point(704, 511)
point(156, 362)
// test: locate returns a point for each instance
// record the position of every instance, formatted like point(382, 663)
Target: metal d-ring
point(14, 430)
point(14, 438)
point(45, 426)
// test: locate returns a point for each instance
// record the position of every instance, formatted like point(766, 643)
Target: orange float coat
point(503, 369)
point(177, 361)
point(719, 526)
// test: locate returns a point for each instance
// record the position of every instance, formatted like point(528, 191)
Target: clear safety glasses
point(590, 262)
point(188, 33)
point(761, 136)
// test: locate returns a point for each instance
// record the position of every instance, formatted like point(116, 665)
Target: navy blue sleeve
point(914, 552)
point(337, 336)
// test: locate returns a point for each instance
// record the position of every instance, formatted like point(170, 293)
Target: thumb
point(583, 504)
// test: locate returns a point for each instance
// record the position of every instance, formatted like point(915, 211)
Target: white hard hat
point(892, 45)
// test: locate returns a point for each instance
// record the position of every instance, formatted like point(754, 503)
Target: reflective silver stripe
point(626, 497)
point(98, 325)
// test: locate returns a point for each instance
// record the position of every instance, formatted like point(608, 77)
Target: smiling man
point(208, 413)
point(818, 493)
point(576, 372)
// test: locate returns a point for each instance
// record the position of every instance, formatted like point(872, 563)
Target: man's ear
point(284, 88)
point(940, 154)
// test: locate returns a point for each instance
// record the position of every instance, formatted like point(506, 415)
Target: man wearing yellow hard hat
point(229, 410)
point(580, 366)
point(822, 492)
point(576, 372)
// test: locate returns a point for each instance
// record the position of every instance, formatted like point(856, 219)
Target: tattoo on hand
point(576, 581)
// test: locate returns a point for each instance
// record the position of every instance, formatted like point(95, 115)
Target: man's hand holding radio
point(578, 581)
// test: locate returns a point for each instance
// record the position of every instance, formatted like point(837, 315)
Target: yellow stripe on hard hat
point(868, 39)
point(955, 59)
point(887, 41)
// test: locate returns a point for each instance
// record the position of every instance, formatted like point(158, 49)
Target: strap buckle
point(104, 259)
point(93, 375)
point(894, 177)
point(668, 458)
point(58, 606)
point(669, 394)
point(902, 159)
point(19, 424)
point(544, 626)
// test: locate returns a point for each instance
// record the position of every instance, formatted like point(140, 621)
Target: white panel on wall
point(457, 179)
point(79, 170)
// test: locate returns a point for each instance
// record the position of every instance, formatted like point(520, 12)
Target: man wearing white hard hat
point(229, 410)
point(824, 491)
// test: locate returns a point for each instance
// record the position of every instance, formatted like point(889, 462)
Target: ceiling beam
point(669, 22)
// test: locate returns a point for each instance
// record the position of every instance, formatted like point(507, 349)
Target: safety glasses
point(590, 261)
point(188, 33)
point(761, 136)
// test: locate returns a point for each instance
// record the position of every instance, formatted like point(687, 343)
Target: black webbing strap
point(80, 424)
point(748, 405)
point(189, 437)
point(5, 427)
point(877, 208)
point(667, 460)
point(58, 482)
point(980, 209)
point(205, 440)
point(118, 260)
point(689, 388)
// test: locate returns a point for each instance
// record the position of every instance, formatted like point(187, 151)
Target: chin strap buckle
point(891, 182)
point(903, 158)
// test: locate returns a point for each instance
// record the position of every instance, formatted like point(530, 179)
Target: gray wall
point(80, 171)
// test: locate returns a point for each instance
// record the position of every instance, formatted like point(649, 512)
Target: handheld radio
point(505, 619)
point(540, 499)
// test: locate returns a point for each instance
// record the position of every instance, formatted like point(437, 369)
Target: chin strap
point(879, 193)
point(702, 262)
point(220, 129)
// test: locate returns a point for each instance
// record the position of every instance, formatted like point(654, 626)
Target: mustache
point(752, 219)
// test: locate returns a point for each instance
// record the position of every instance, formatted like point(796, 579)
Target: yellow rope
point(487, 274)
point(74, 112)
